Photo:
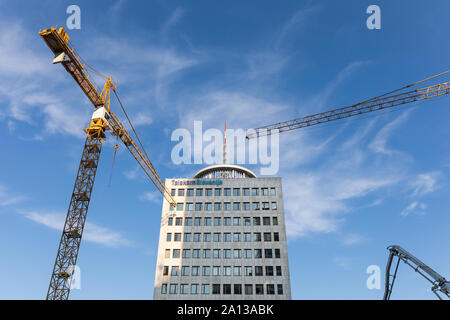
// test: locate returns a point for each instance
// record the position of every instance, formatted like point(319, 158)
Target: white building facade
point(226, 239)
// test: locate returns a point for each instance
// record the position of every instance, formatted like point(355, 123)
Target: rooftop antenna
point(224, 153)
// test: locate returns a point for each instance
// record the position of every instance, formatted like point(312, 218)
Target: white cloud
point(425, 183)
point(8, 199)
point(93, 232)
point(352, 239)
point(152, 196)
point(415, 207)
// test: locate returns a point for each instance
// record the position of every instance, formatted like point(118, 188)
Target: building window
point(273, 192)
point(169, 237)
point(237, 289)
point(246, 191)
point(237, 253)
point(236, 206)
point(207, 253)
point(178, 221)
point(196, 253)
point(257, 236)
point(170, 222)
point(266, 221)
point(217, 206)
point(276, 236)
point(187, 237)
point(190, 192)
point(258, 271)
point(197, 221)
point(217, 237)
point(227, 192)
point(167, 254)
point(216, 253)
point(186, 253)
point(275, 221)
point(236, 271)
point(166, 271)
point(248, 289)
point(194, 288)
point(172, 192)
point(274, 206)
point(280, 288)
point(267, 236)
point(164, 288)
point(246, 206)
point(247, 221)
point(258, 253)
point(247, 236)
point(181, 192)
point(198, 206)
point(177, 237)
point(227, 289)
point(270, 289)
point(217, 192)
point(227, 206)
point(197, 237)
point(268, 253)
point(265, 191)
point(208, 206)
point(216, 271)
point(248, 271)
point(254, 191)
point(206, 289)
point(208, 221)
point(269, 271)
point(236, 221)
point(185, 271)
point(173, 288)
point(259, 289)
point(188, 221)
point(176, 253)
point(278, 268)
point(174, 271)
point(207, 237)
point(255, 205)
point(236, 192)
point(195, 271)
point(179, 206)
point(208, 192)
point(227, 237)
point(265, 206)
point(227, 221)
point(248, 253)
point(216, 289)
point(237, 237)
point(199, 192)
point(277, 253)
point(206, 270)
point(217, 221)
point(227, 271)
point(227, 253)
point(184, 288)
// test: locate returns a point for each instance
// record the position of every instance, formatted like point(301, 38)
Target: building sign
point(196, 182)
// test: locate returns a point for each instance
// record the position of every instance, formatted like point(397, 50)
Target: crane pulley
point(103, 120)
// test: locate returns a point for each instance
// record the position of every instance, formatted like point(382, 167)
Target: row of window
point(227, 221)
point(225, 237)
point(248, 271)
point(222, 253)
point(249, 289)
point(199, 192)
point(225, 206)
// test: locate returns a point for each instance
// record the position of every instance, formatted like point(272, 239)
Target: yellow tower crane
point(103, 120)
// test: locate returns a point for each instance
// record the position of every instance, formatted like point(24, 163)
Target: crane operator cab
point(99, 123)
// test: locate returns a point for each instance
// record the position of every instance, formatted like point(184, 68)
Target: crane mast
point(103, 120)
point(439, 282)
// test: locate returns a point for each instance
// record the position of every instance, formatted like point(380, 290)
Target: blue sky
point(351, 188)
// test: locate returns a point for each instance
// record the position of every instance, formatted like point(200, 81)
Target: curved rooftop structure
point(224, 171)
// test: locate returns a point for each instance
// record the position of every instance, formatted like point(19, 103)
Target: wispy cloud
point(8, 199)
point(425, 183)
point(93, 232)
point(415, 207)
point(152, 196)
